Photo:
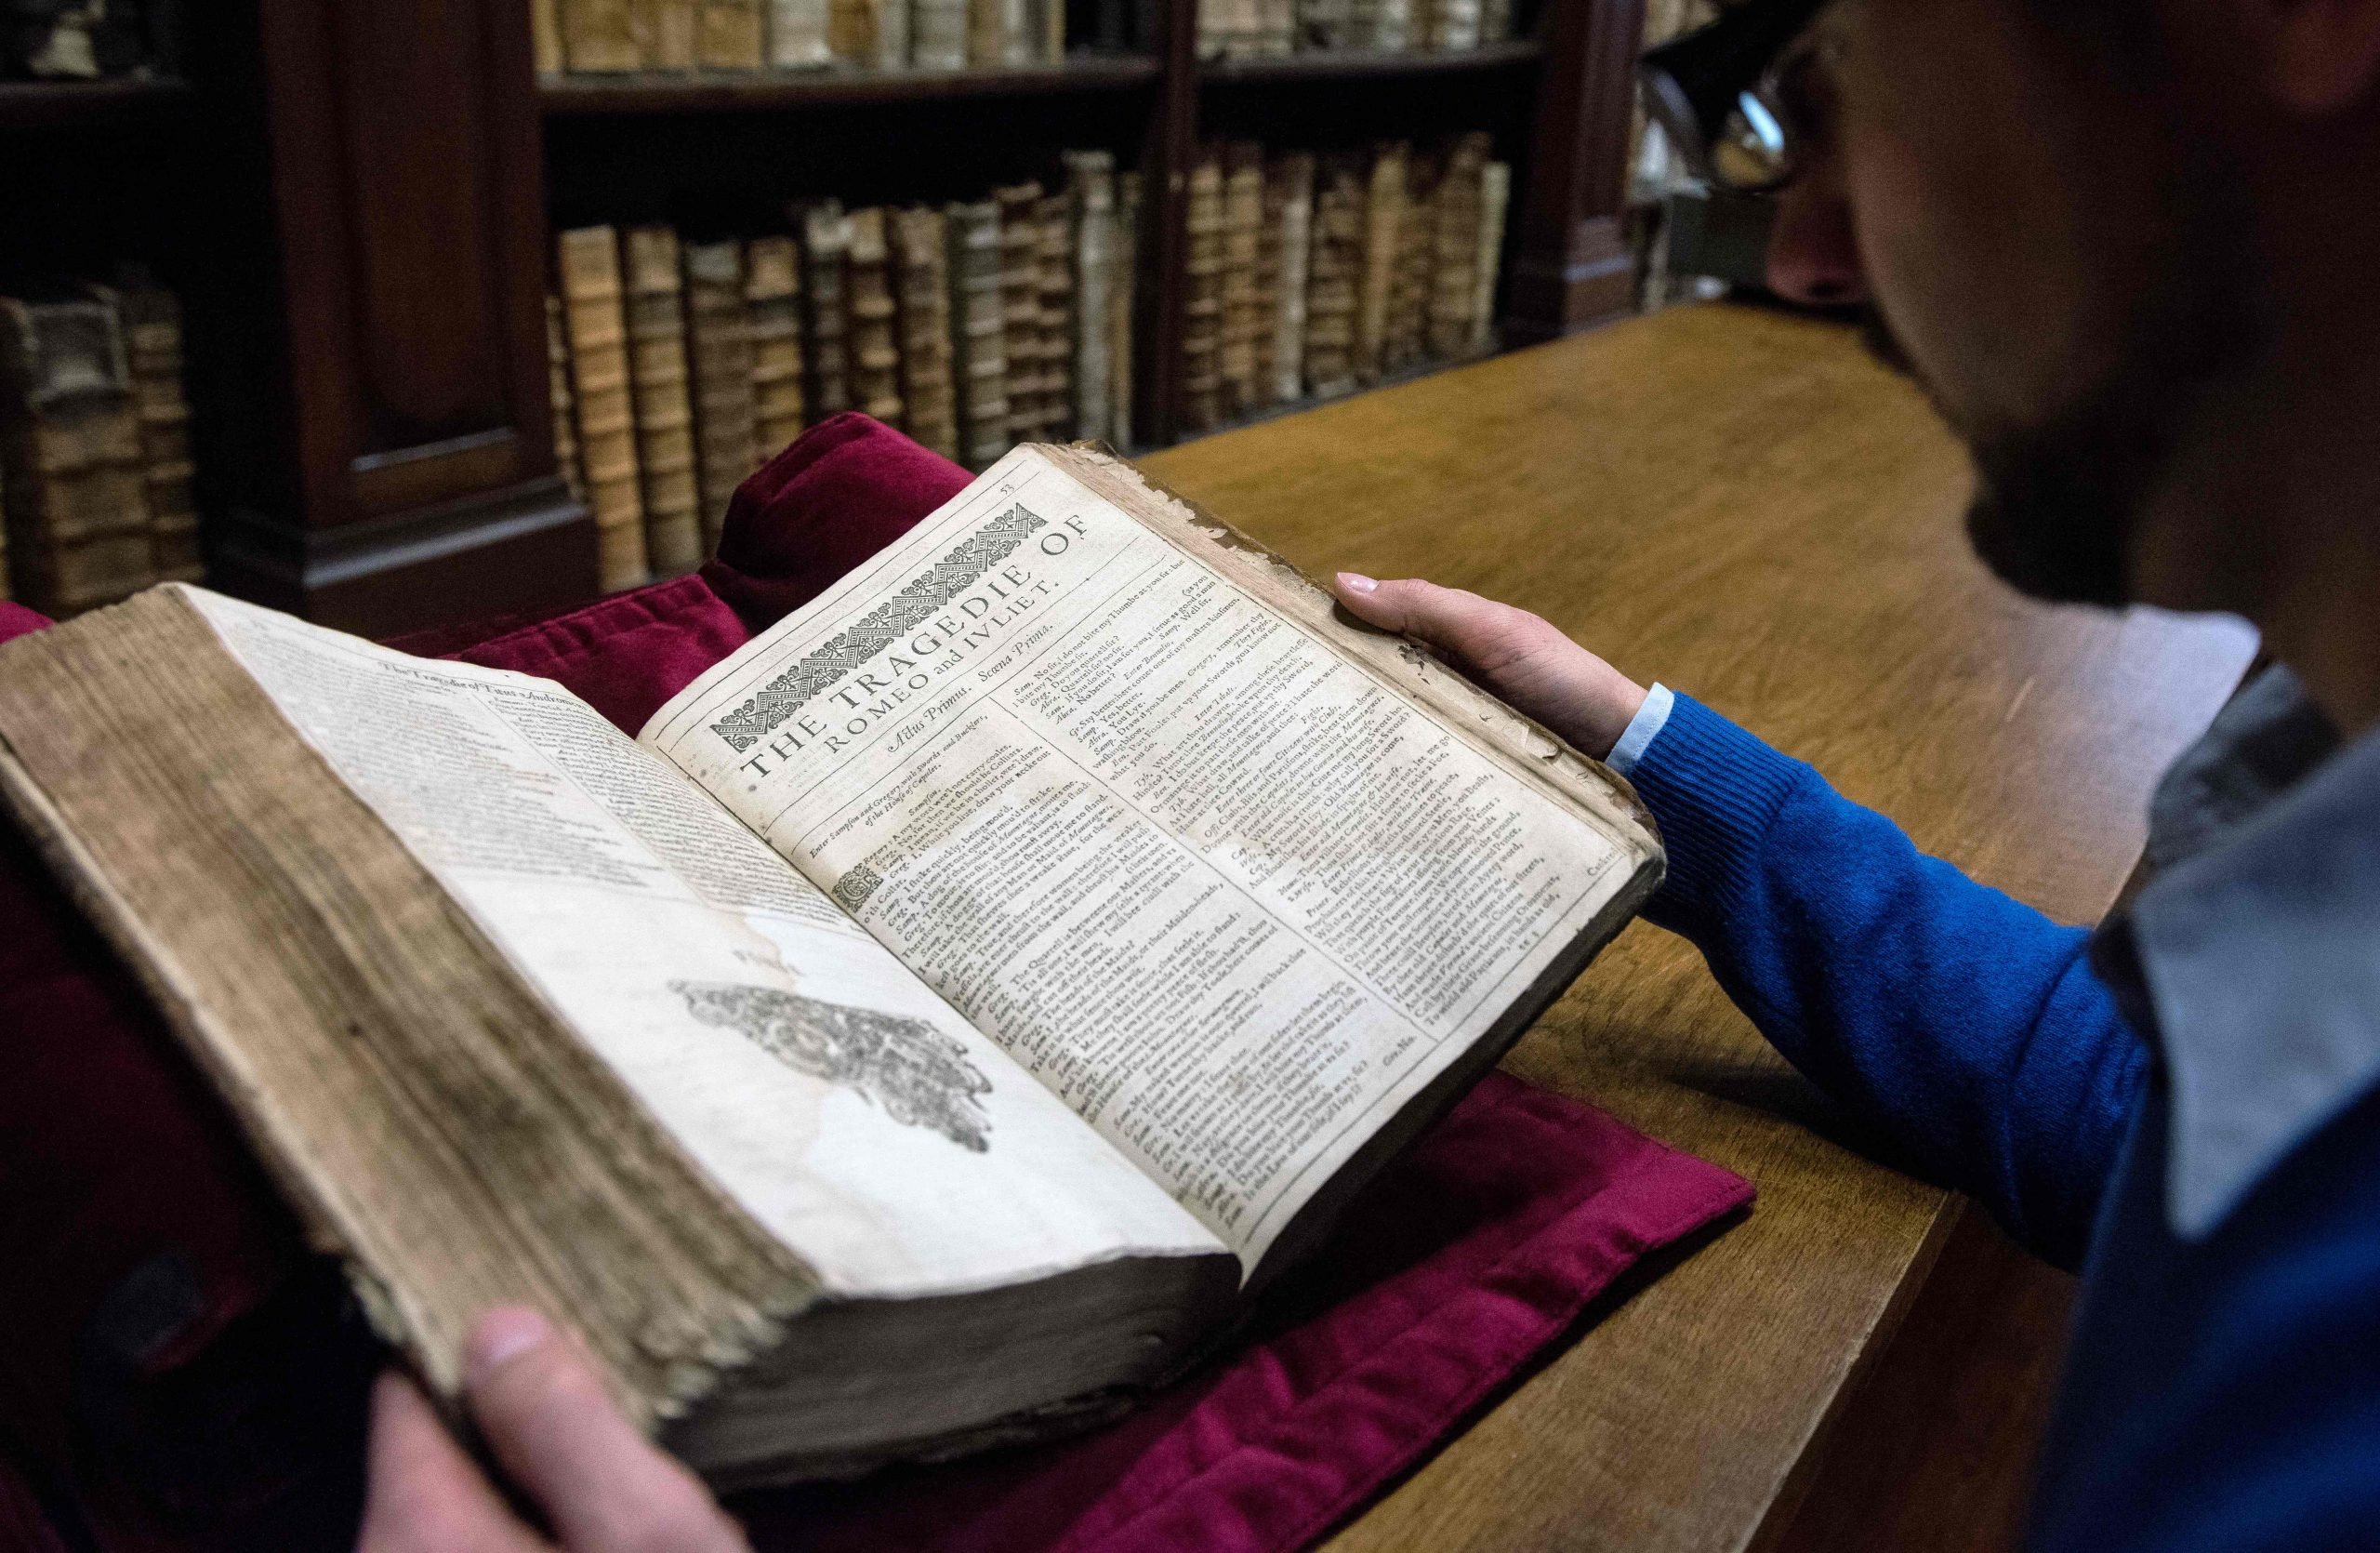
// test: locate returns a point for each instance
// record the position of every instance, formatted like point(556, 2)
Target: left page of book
point(847, 1107)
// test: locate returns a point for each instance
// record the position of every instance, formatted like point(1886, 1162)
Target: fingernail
point(501, 1336)
point(1356, 582)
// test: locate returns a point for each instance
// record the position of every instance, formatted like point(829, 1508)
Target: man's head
point(2079, 222)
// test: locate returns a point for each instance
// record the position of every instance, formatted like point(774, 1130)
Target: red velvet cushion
point(1480, 1247)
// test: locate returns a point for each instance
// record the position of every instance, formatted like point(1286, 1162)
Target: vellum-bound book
point(927, 1033)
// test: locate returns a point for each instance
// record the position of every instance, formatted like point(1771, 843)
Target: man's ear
point(2321, 57)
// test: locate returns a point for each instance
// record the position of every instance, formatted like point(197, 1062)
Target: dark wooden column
point(1572, 269)
point(400, 468)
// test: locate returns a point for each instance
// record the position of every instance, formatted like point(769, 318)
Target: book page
point(1218, 886)
point(839, 1100)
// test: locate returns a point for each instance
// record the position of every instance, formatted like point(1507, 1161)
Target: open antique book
point(927, 1033)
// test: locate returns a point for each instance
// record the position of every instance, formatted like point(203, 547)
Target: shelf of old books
point(700, 92)
point(1325, 63)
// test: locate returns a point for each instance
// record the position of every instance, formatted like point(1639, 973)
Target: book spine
point(1020, 303)
point(152, 331)
point(1055, 308)
point(825, 256)
point(567, 461)
point(1454, 280)
point(588, 264)
point(1019, 44)
point(719, 327)
point(600, 36)
point(670, 28)
point(1121, 300)
point(922, 253)
point(1053, 31)
point(1290, 186)
point(938, 33)
point(1236, 364)
point(772, 300)
point(1383, 215)
point(1392, 24)
point(1408, 297)
point(731, 35)
point(1202, 308)
point(797, 35)
point(986, 33)
point(1495, 21)
point(665, 418)
point(852, 30)
point(1326, 24)
point(979, 330)
point(75, 472)
point(1331, 299)
point(874, 342)
point(1092, 183)
point(545, 36)
point(1494, 197)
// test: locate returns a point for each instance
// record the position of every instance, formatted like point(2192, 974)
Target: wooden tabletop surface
point(1741, 505)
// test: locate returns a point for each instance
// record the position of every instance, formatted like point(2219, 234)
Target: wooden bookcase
point(355, 199)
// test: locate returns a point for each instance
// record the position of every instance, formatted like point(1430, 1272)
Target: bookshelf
point(357, 206)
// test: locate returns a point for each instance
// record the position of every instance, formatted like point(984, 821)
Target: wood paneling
point(1740, 504)
point(1573, 267)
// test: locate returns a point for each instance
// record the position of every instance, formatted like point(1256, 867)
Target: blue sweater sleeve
point(1965, 1024)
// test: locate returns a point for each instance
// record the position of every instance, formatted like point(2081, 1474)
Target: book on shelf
point(545, 37)
point(1376, 287)
point(668, 31)
point(1020, 230)
point(732, 35)
point(797, 35)
point(871, 332)
point(773, 295)
point(152, 319)
point(1452, 260)
point(1405, 339)
point(719, 334)
point(1495, 199)
point(1288, 200)
point(661, 378)
point(587, 262)
point(921, 258)
point(567, 461)
point(1337, 272)
point(89, 40)
point(928, 1033)
point(979, 329)
point(1054, 311)
point(1241, 306)
point(602, 37)
point(1091, 187)
point(72, 459)
point(1202, 304)
point(825, 256)
point(1123, 309)
point(938, 34)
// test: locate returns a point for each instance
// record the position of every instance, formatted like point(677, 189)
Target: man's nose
point(1813, 254)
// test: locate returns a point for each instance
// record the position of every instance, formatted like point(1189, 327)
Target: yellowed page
point(837, 1099)
point(1222, 889)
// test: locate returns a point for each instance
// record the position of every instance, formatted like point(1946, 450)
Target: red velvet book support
point(1449, 1276)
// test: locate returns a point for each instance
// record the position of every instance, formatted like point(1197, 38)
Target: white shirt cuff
point(1642, 730)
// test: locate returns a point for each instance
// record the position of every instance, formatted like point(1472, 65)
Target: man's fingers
point(425, 1496)
point(550, 1421)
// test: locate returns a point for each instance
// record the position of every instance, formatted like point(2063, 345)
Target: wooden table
point(1740, 504)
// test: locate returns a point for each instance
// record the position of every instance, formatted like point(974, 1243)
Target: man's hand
point(554, 1426)
point(1518, 656)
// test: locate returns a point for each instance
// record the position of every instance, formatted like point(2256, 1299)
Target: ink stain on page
point(919, 1075)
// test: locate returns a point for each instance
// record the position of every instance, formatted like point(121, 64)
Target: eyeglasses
point(1724, 94)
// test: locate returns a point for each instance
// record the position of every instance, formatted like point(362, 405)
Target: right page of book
point(1231, 893)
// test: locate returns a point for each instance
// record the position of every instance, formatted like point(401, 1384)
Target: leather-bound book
point(1020, 229)
point(987, 33)
point(1289, 199)
point(1495, 198)
point(601, 36)
point(1123, 360)
point(588, 265)
point(825, 256)
point(567, 459)
point(1392, 24)
point(1202, 312)
point(1417, 233)
point(797, 35)
point(938, 34)
point(922, 268)
point(1243, 315)
point(1091, 185)
point(732, 36)
point(545, 36)
point(1331, 296)
point(152, 339)
point(772, 297)
point(1383, 224)
point(719, 332)
point(71, 455)
point(1454, 279)
point(664, 416)
point(1054, 294)
point(979, 330)
point(670, 29)
point(874, 343)
point(853, 31)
